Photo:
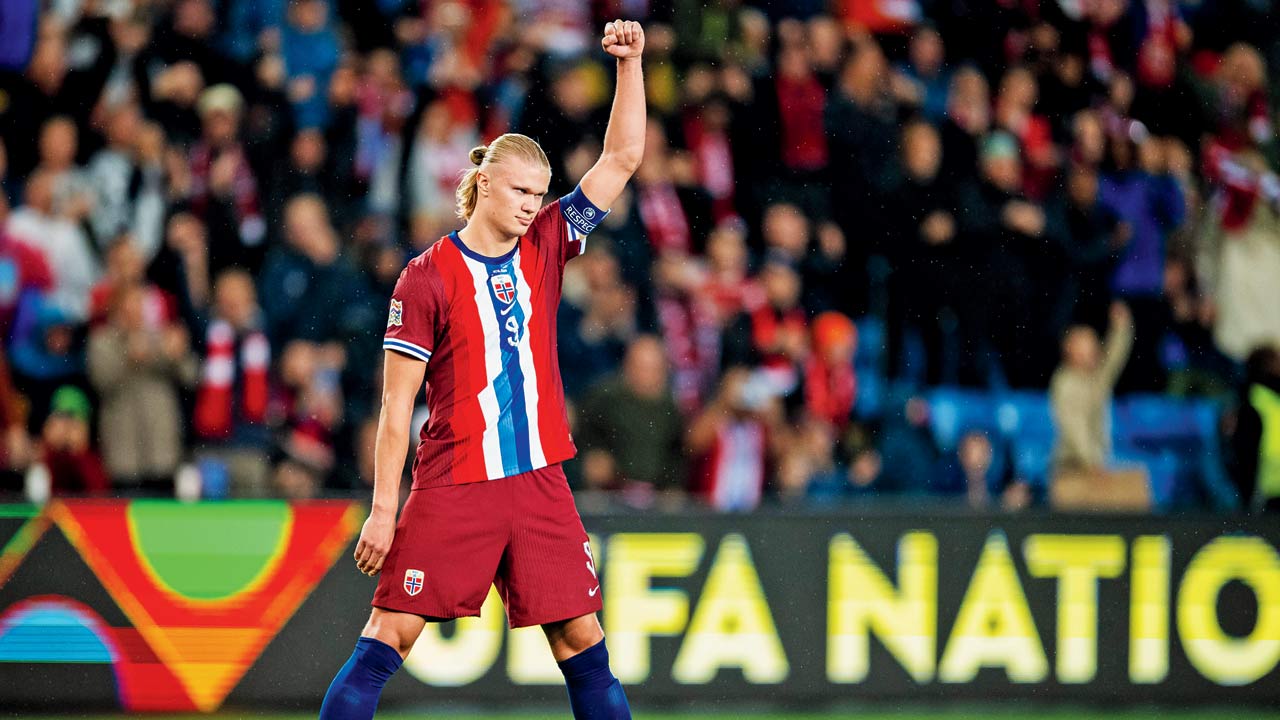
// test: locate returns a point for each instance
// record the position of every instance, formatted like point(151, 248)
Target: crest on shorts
point(503, 288)
point(413, 580)
point(396, 315)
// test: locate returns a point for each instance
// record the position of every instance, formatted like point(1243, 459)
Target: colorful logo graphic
point(396, 315)
point(503, 288)
point(413, 582)
point(205, 586)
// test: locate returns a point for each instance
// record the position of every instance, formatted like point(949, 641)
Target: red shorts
point(521, 533)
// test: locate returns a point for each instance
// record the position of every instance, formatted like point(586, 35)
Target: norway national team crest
point(397, 311)
point(413, 582)
point(503, 288)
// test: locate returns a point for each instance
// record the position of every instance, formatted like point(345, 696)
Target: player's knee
point(389, 632)
point(571, 637)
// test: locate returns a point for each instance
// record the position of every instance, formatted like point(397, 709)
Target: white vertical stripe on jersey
point(524, 296)
point(492, 367)
point(578, 237)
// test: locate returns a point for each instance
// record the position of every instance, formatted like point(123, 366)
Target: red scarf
point(664, 220)
point(1239, 188)
point(215, 399)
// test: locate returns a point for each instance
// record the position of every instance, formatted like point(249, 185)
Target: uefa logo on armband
point(394, 318)
point(413, 581)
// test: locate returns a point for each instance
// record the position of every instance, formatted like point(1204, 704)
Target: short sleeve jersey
point(486, 327)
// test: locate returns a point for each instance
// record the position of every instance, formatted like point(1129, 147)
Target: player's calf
point(386, 640)
point(354, 692)
point(594, 692)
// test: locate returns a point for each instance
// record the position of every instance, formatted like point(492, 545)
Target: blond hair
point(502, 148)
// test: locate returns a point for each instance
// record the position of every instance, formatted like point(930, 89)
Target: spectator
point(384, 104)
point(985, 483)
point(310, 50)
point(860, 132)
point(1239, 101)
point(908, 454)
point(808, 469)
point(43, 224)
point(597, 318)
point(231, 402)
point(47, 88)
point(830, 385)
point(181, 267)
point(776, 334)
point(73, 192)
point(968, 120)
point(1089, 235)
point(1080, 393)
point(925, 74)
point(689, 328)
point(734, 442)
point(171, 99)
point(74, 468)
point(305, 283)
point(47, 351)
point(1241, 259)
point(629, 429)
point(23, 269)
point(312, 408)
point(137, 368)
point(224, 187)
point(801, 102)
point(1007, 230)
point(440, 148)
point(128, 179)
point(665, 214)
point(924, 289)
point(125, 269)
point(727, 286)
point(1014, 113)
point(1138, 189)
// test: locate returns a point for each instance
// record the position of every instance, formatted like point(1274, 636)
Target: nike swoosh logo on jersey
point(507, 311)
point(592, 592)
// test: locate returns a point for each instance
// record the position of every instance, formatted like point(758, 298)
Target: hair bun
point(477, 154)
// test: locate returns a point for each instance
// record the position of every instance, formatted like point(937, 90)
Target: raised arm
point(624, 138)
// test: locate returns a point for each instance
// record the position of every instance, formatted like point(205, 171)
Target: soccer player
point(475, 316)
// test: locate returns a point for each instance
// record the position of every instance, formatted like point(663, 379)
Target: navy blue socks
point(353, 694)
point(594, 693)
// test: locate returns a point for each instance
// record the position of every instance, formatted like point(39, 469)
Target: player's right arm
point(402, 378)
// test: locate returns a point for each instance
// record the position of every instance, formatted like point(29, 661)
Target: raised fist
point(623, 39)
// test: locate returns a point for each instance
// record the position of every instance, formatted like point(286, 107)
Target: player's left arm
point(624, 137)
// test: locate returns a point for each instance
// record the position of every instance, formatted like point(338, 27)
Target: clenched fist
point(623, 39)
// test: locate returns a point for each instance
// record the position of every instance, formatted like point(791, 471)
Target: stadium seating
point(1175, 440)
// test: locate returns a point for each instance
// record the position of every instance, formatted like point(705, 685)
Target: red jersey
point(486, 327)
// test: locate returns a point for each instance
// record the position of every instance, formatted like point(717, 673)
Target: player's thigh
point(446, 551)
point(548, 574)
point(400, 630)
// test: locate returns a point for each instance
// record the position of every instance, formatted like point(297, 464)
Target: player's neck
point(486, 240)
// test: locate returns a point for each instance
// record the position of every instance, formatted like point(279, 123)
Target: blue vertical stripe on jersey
point(513, 416)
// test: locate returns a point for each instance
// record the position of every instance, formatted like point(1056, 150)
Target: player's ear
point(482, 182)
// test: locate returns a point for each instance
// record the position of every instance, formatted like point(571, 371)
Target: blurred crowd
point(206, 204)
